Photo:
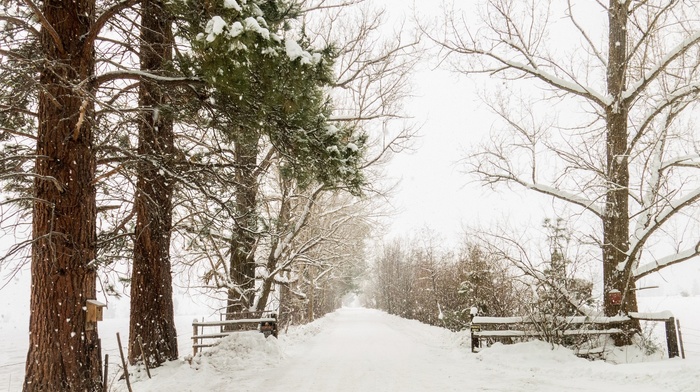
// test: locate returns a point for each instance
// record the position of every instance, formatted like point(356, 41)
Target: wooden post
point(106, 374)
point(194, 340)
point(143, 356)
point(126, 370)
point(671, 337)
point(475, 339)
point(680, 338)
point(99, 355)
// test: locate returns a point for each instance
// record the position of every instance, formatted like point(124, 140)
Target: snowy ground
point(356, 349)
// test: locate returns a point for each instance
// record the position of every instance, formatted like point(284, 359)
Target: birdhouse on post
point(94, 314)
point(615, 297)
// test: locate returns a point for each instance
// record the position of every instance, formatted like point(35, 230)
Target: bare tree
point(317, 254)
point(623, 157)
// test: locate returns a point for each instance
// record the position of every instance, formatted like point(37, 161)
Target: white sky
point(434, 191)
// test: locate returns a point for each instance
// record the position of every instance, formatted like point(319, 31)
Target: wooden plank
point(212, 335)
point(589, 351)
point(254, 314)
point(593, 320)
point(500, 320)
point(566, 320)
point(506, 333)
point(232, 322)
point(519, 333)
point(660, 316)
point(203, 345)
point(610, 331)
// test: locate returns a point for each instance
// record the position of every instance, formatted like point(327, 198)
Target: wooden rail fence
point(202, 336)
point(505, 329)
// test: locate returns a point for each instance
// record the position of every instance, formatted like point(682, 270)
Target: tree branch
point(47, 26)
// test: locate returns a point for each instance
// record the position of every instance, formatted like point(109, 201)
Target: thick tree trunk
point(152, 317)
point(616, 219)
point(243, 238)
point(63, 354)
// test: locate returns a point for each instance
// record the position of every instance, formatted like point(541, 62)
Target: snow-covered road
point(357, 349)
point(364, 350)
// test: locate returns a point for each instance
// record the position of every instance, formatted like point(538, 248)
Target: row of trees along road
point(620, 155)
point(137, 133)
point(421, 279)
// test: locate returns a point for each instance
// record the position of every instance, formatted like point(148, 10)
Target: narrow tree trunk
point(243, 238)
point(616, 219)
point(272, 258)
point(63, 354)
point(152, 317)
point(310, 306)
point(285, 315)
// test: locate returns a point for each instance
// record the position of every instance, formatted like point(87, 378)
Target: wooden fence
point(203, 336)
point(507, 329)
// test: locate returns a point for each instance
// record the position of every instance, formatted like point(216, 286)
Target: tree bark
point(63, 354)
point(243, 237)
point(616, 219)
point(152, 315)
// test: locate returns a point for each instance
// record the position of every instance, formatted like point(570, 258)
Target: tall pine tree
point(264, 85)
point(152, 314)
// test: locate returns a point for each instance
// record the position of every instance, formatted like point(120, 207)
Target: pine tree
point(63, 353)
point(152, 315)
point(265, 86)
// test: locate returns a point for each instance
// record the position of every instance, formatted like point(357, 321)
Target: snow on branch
point(677, 100)
point(642, 234)
point(301, 221)
point(636, 88)
point(567, 196)
point(560, 194)
point(685, 161)
point(138, 75)
point(533, 70)
point(664, 262)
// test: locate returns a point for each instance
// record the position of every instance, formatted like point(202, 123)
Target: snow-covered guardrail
point(504, 329)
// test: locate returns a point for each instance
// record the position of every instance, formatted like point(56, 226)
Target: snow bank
point(528, 352)
point(240, 355)
point(240, 350)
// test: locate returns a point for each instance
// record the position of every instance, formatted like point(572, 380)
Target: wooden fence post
point(680, 338)
point(106, 373)
point(143, 356)
point(126, 369)
point(194, 340)
point(671, 337)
